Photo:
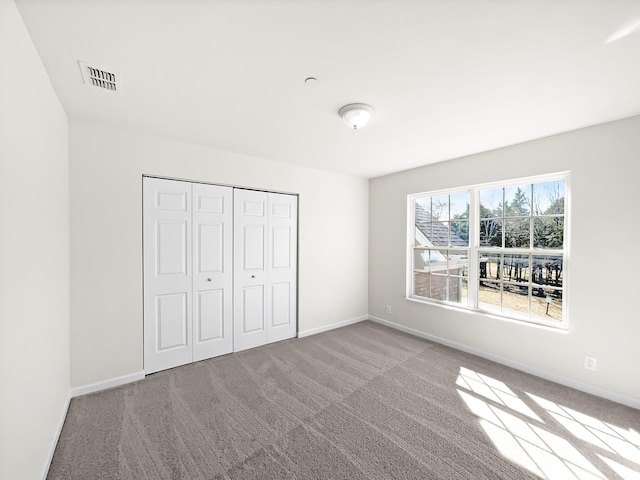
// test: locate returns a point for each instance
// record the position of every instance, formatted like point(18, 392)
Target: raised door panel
point(176, 200)
point(167, 274)
point(213, 271)
point(210, 306)
point(252, 309)
point(250, 269)
point(281, 247)
point(171, 321)
point(211, 249)
point(171, 247)
point(253, 237)
point(280, 304)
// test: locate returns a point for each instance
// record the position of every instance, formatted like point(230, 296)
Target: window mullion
point(474, 243)
point(411, 240)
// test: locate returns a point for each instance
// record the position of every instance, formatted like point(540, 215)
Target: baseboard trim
point(566, 381)
point(56, 437)
point(105, 384)
point(326, 328)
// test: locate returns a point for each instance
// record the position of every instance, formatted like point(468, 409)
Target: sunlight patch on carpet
point(523, 437)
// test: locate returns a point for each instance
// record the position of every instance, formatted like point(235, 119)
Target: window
point(498, 248)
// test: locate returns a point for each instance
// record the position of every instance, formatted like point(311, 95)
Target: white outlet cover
point(590, 363)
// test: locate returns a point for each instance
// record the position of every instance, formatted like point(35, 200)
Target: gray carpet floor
point(359, 402)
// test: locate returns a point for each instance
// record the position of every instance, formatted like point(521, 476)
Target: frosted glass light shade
point(356, 115)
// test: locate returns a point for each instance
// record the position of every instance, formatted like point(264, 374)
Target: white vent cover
point(100, 77)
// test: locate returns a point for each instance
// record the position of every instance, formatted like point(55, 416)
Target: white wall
point(604, 277)
point(34, 255)
point(107, 165)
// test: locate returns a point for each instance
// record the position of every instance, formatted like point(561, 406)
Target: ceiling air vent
point(100, 77)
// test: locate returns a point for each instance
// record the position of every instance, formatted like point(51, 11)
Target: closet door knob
point(208, 279)
point(253, 276)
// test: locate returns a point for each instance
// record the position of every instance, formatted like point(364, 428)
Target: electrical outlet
point(590, 363)
point(388, 308)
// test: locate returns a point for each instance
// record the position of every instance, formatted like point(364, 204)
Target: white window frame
point(475, 249)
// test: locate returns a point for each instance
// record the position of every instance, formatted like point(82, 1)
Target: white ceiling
point(446, 78)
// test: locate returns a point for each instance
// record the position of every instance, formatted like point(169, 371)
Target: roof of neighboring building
point(436, 231)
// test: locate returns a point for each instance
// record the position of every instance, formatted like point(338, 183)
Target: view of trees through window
point(516, 257)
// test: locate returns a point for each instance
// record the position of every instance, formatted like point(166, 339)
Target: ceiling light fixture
point(356, 115)
point(626, 30)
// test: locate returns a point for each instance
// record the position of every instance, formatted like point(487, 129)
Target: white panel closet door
point(250, 269)
point(282, 266)
point(167, 274)
point(219, 270)
point(212, 271)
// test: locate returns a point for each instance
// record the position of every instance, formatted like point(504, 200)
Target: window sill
point(557, 328)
